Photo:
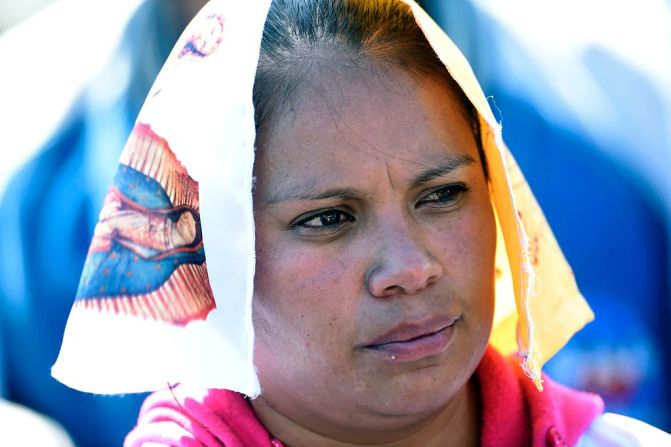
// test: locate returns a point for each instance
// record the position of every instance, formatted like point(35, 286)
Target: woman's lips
point(412, 342)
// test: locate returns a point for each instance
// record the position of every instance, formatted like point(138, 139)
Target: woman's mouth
point(412, 342)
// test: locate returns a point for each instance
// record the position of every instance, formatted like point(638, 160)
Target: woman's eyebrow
point(335, 193)
point(445, 167)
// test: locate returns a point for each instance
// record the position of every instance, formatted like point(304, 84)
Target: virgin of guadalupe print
point(146, 258)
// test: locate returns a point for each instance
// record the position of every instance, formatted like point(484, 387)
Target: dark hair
point(297, 32)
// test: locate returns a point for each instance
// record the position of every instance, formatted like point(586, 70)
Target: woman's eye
point(444, 196)
point(329, 220)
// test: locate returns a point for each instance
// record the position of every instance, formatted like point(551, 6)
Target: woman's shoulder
point(614, 430)
point(183, 415)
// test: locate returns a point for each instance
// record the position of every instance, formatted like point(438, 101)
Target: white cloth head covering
point(151, 312)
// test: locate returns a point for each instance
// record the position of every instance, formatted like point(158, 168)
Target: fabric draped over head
point(151, 311)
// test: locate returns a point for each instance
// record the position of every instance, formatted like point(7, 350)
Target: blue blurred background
point(584, 94)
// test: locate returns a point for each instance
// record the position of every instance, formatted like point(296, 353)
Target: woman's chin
point(417, 394)
point(419, 389)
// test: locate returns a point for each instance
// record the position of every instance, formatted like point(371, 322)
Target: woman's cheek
point(312, 271)
point(306, 289)
point(479, 272)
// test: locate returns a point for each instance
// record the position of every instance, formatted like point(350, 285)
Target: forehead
point(343, 122)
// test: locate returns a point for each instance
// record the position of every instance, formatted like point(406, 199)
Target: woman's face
point(375, 241)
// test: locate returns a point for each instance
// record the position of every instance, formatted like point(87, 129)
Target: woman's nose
point(404, 266)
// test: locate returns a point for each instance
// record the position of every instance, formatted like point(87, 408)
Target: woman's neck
point(457, 424)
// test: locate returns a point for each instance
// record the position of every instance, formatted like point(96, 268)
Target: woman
point(379, 189)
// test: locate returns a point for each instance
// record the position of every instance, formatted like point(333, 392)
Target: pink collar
point(515, 413)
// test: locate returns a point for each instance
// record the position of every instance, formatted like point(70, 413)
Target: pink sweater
point(514, 414)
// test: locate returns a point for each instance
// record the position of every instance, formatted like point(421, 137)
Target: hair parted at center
point(298, 32)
